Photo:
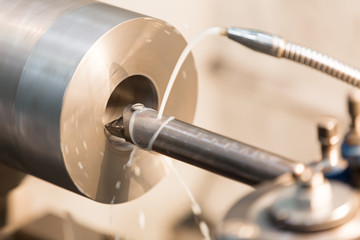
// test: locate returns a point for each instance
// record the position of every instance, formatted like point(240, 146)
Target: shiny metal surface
point(329, 141)
point(81, 69)
point(315, 204)
point(249, 219)
point(22, 23)
point(198, 146)
point(300, 205)
point(279, 47)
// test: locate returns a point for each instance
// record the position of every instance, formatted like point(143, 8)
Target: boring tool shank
point(198, 147)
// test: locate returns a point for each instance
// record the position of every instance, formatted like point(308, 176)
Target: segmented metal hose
point(322, 63)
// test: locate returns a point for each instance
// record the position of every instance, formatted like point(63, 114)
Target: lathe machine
point(80, 85)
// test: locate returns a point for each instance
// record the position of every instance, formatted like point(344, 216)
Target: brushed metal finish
point(58, 100)
point(22, 23)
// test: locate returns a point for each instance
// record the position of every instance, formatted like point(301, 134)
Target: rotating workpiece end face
point(253, 216)
point(131, 63)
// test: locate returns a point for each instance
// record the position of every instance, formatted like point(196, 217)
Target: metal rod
point(199, 147)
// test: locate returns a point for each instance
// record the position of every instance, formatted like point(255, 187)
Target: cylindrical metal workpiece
point(203, 148)
point(67, 67)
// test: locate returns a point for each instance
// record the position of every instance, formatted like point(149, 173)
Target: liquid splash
point(195, 207)
point(182, 58)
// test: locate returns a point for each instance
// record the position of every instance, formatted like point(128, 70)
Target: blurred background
point(259, 100)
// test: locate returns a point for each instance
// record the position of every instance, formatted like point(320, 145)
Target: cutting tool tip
point(116, 128)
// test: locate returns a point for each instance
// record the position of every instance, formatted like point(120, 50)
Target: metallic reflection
point(61, 62)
